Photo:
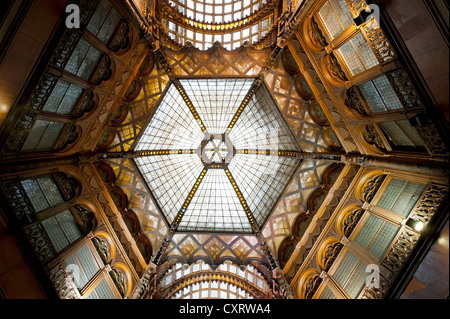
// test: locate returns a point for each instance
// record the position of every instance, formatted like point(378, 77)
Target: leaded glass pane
point(261, 126)
point(171, 178)
point(336, 16)
point(379, 95)
point(351, 275)
point(42, 192)
point(83, 265)
point(401, 133)
point(217, 100)
point(215, 206)
point(83, 60)
point(63, 98)
point(62, 229)
point(357, 54)
point(43, 135)
point(401, 196)
point(104, 21)
point(169, 125)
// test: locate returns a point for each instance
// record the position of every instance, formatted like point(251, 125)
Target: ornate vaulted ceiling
point(291, 96)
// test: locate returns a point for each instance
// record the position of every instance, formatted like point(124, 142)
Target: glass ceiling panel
point(217, 100)
point(215, 206)
point(170, 178)
point(169, 125)
point(261, 179)
point(261, 126)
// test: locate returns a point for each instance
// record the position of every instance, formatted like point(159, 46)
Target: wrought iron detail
point(429, 203)
point(372, 137)
point(378, 42)
point(400, 249)
point(371, 187)
point(351, 220)
point(39, 239)
point(403, 87)
point(354, 102)
point(63, 284)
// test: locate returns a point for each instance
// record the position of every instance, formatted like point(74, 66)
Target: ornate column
point(281, 287)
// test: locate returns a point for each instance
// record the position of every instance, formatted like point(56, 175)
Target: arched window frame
point(55, 130)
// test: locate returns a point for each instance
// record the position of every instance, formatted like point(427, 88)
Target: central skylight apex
point(217, 155)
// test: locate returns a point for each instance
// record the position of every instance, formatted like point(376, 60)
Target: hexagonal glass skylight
point(217, 154)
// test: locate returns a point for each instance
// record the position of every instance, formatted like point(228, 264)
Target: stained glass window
point(178, 159)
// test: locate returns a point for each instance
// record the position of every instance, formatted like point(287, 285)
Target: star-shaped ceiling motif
point(217, 155)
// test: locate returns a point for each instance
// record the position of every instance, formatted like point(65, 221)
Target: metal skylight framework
point(217, 154)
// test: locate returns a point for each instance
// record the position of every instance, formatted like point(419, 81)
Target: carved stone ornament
point(311, 285)
point(330, 254)
point(118, 277)
point(371, 187)
point(354, 102)
point(372, 137)
point(102, 248)
point(316, 35)
point(334, 68)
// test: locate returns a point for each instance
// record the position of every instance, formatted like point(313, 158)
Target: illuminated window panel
point(351, 274)
point(261, 180)
point(376, 236)
point(217, 100)
point(217, 11)
point(168, 127)
point(203, 40)
point(171, 178)
point(85, 262)
point(357, 54)
point(379, 95)
point(336, 16)
point(42, 192)
point(63, 98)
point(401, 134)
point(262, 126)
point(215, 206)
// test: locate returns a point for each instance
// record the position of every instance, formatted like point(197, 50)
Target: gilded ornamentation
point(334, 68)
point(316, 35)
point(400, 249)
point(311, 285)
point(330, 254)
point(371, 187)
point(38, 238)
point(372, 137)
point(103, 72)
point(102, 248)
point(118, 278)
point(354, 103)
